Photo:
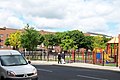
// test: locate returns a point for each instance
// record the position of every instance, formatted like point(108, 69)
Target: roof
point(9, 52)
point(98, 34)
point(114, 40)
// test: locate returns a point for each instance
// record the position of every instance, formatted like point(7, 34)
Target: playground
point(108, 56)
point(98, 56)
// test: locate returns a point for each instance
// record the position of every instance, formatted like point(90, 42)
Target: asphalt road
point(56, 72)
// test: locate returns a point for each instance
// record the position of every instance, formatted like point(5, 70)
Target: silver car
point(13, 66)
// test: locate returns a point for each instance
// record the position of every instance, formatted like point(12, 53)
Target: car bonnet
point(21, 69)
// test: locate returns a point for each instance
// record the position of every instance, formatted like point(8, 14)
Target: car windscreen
point(13, 60)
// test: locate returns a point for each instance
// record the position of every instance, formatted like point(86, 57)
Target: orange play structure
point(99, 54)
point(112, 48)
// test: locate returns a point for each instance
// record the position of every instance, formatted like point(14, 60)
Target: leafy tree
point(40, 39)
point(7, 43)
point(98, 42)
point(60, 36)
point(106, 39)
point(50, 40)
point(77, 36)
point(68, 44)
point(87, 42)
point(30, 38)
point(14, 40)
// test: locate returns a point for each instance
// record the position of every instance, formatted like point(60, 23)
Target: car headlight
point(35, 71)
point(11, 73)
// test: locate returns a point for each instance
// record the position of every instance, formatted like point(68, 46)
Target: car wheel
point(2, 78)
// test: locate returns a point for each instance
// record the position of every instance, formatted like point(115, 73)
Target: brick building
point(4, 34)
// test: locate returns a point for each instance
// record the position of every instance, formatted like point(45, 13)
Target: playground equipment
point(106, 58)
point(109, 55)
point(99, 55)
point(112, 48)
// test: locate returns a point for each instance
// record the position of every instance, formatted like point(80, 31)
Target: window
point(1, 40)
point(1, 46)
point(7, 35)
point(1, 35)
point(13, 60)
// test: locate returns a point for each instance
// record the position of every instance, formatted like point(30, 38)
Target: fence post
point(103, 58)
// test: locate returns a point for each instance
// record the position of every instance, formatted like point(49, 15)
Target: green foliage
point(7, 43)
point(77, 36)
point(106, 40)
point(14, 40)
point(98, 42)
point(71, 39)
point(50, 40)
point(40, 39)
point(68, 40)
point(68, 44)
point(60, 36)
point(87, 42)
point(30, 38)
point(76, 39)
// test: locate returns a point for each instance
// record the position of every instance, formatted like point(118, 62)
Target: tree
point(59, 37)
point(50, 40)
point(77, 36)
point(87, 42)
point(40, 39)
point(7, 43)
point(14, 40)
point(106, 39)
point(68, 44)
point(98, 42)
point(30, 38)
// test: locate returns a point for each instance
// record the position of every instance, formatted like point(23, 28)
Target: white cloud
point(85, 15)
point(14, 22)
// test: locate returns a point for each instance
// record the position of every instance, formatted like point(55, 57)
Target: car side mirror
point(29, 62)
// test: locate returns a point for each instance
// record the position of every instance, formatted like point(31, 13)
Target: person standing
point(59, 58)
point(63, 58)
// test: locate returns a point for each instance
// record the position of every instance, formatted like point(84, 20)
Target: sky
point(98, 16)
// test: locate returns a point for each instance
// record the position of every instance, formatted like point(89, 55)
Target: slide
point(106, 58)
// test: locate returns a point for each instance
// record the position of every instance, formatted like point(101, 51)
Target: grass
point(110, 64)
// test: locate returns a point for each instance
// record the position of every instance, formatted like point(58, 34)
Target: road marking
point(95, 78)
point(45, 70)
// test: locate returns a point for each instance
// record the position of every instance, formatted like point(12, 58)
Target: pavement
point(83, 65)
